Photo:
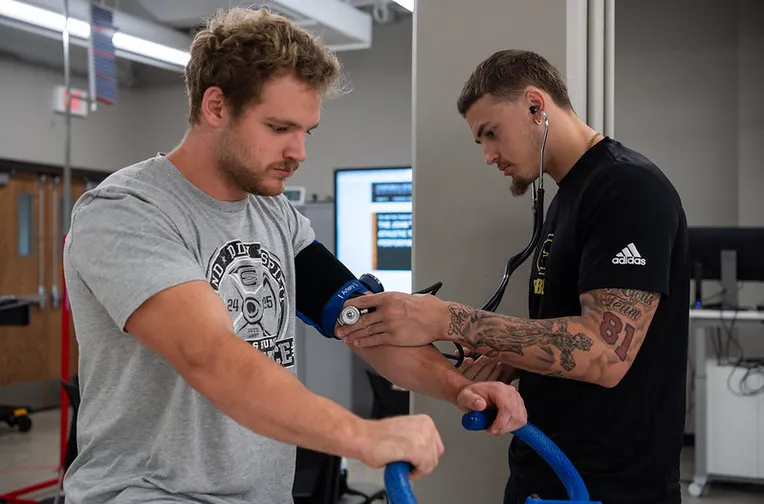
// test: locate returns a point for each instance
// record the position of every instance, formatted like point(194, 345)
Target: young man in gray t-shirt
point(181, 276)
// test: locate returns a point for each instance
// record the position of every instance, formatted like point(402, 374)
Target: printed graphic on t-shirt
point(541, 260)
point(251, 281)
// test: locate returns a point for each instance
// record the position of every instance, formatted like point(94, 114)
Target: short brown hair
point(240, 50)
point(506, 74)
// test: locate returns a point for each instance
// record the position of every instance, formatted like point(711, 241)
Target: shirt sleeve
point(125, 249)
point(300, 226)
point(628, 220)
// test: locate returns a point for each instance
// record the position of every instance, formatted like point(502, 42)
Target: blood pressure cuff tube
point(323, 284)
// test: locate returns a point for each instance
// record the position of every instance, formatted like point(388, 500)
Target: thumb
point(471, 401)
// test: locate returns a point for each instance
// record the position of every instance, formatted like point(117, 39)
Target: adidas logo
point(629, 255)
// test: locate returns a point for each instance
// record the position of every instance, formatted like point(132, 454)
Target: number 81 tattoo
point(610, 330)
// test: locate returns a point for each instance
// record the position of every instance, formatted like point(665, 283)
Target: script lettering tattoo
point(629, 303)
point(460, 315)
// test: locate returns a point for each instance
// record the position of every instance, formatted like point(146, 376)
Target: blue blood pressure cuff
point(323, 285)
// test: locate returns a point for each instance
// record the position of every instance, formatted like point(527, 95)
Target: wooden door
point(31, 267)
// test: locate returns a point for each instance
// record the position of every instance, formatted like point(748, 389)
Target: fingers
point(465, 367)
point(503, 418)
point(512, 413)
point(370, 341)
point(370, 300)
point(469, 400)
point(365, 321)
point(483, 369)
point(429, 449)
point(494, 375)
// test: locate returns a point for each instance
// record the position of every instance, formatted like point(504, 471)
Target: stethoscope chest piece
point(349, 315)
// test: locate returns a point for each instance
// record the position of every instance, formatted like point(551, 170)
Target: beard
point(519, 186)
point(232, 157)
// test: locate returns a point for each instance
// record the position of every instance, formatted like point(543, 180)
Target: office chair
point(388, 402)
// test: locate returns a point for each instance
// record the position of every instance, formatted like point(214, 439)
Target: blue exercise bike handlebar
point(399, 490)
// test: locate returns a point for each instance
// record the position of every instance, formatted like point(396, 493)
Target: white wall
point(689, 97)
point(676, 87)
point(31, 131)
point(750, 134)
point(750, 112)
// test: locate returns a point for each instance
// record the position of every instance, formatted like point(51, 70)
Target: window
point(26, 224)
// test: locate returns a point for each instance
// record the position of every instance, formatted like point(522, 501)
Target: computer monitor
point(707, 244)
point(372, 213)
point(727, 254)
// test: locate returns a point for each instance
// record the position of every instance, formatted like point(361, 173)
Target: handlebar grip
point(545, 447)
point(397, 473)
point(479, 420)
point(397, 483)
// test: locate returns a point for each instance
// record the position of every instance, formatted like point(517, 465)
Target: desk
point(700, 321)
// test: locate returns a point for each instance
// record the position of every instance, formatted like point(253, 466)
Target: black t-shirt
point(616, 222)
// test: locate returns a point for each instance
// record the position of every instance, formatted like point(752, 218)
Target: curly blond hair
point(240, 50)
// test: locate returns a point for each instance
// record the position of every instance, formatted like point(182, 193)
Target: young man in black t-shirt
point(614, 244)
point(602, 359)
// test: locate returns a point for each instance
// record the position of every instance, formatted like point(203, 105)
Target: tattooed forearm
point(606, 336)
point(549, 343)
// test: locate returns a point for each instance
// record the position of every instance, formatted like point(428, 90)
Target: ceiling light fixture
point(54, 21)
point(406, 4)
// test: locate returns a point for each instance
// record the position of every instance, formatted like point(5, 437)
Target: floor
point(30, 458)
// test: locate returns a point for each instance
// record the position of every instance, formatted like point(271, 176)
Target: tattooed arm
point(598, 346)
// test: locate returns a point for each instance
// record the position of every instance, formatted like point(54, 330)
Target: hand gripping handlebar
point(399, 490)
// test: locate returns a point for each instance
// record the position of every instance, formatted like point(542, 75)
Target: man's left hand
point(511, 409)
point(398, 319)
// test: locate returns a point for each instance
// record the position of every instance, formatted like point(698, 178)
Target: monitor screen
point(707, 243)
point(372, 213)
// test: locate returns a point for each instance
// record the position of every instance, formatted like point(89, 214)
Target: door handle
point(41, 291)
point(55, 296)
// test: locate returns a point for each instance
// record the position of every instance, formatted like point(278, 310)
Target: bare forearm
point(262, 396)
point(420, 369)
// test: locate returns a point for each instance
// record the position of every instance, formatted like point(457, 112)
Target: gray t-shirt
point(144, 434)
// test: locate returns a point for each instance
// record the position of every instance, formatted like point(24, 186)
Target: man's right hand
point(409, 438)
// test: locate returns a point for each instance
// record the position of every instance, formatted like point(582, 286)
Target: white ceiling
point(343, 24)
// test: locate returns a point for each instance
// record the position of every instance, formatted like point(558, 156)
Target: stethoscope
point(517, 260)
point(350, 315)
